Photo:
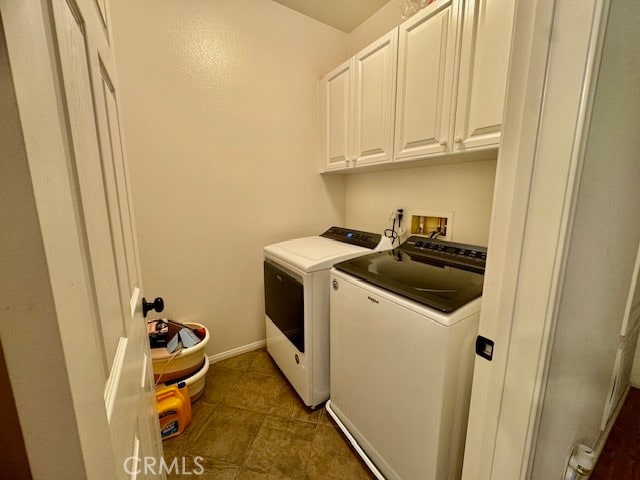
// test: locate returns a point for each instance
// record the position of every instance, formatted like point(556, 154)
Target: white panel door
point(337, 112)
point(482, 81)
point(117, 354)
point(86, 65)
point(425, 79)
point(374, 100)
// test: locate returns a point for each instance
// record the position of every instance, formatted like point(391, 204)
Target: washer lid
point(440, 275)
point(310, 254)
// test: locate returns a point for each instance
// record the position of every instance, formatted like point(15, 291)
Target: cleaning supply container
point(174, 409)
point(168, 367)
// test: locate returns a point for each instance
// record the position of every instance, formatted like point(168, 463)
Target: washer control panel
point(470, 256)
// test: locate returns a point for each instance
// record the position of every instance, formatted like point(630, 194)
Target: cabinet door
point(374, 100)
point(484, 62)
point(425, 82)
point(337, 96)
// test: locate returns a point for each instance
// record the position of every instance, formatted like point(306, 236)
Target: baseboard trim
point(237, 351)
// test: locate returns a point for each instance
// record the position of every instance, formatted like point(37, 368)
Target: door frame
point(63, 417)
point(534, 198)
point(555, 52)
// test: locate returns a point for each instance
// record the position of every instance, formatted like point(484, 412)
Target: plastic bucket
point(196, 382)
point(172, 366)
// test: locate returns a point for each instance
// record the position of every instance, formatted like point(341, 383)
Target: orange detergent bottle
point(174, 409)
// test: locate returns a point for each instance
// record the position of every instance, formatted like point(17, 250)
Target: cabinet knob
point(458, 139)
point(443, 142)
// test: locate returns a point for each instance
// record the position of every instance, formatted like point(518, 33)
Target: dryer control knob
point(334, 283)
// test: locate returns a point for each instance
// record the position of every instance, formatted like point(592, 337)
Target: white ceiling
point(344, 15)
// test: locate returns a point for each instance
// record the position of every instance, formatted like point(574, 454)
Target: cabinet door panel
point(374, 100)
point(425, 77)
point(337, 87)
point(484, 63)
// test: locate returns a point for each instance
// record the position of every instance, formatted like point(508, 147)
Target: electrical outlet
point(397, 212)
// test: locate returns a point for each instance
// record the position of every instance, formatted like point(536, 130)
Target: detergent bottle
point(174, 409)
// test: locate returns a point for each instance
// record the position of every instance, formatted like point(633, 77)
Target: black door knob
point(157, 305)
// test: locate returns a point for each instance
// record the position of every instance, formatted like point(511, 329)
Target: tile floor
point(250, 424)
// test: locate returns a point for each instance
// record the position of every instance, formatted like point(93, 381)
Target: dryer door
point(284, 303)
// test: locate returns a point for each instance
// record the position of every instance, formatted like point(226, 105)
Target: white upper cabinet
point(425, 82)
point(358, 105)
point(482, 81)
point(337, 114)
point(434, 88)
point(374, 92)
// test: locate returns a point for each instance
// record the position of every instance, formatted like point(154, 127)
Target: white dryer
point(296, 289)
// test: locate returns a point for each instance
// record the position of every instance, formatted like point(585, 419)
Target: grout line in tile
point(253, 440)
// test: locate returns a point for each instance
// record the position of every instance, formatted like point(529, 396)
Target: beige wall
point(375, 26)
point(220, 117)
point(465, 189)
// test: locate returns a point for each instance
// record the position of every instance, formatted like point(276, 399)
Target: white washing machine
point(403, 334)
point(296, 288)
